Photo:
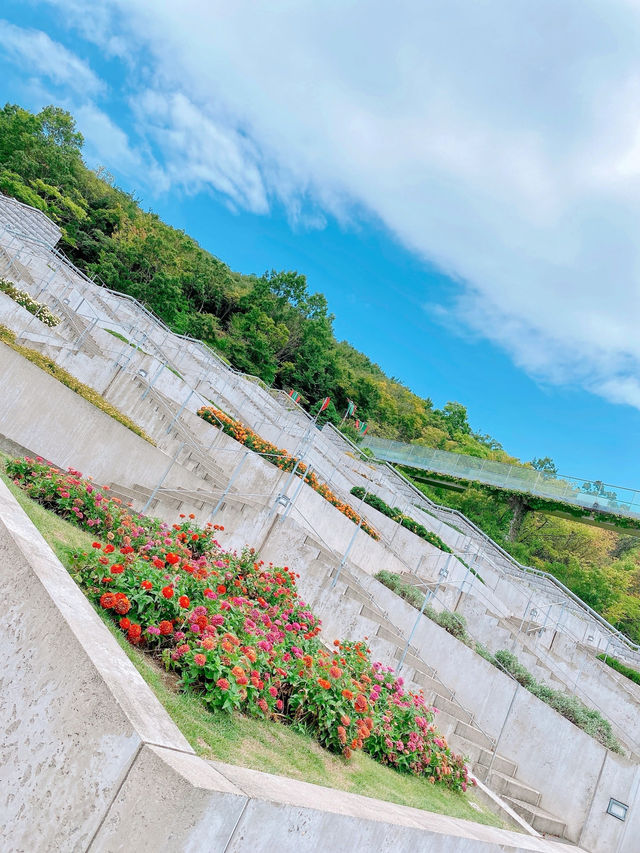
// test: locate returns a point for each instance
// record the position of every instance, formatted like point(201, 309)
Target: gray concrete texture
point(92, 762)
point(480, 691)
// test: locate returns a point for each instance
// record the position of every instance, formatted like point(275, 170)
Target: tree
point(455, 418)
point(545, 464)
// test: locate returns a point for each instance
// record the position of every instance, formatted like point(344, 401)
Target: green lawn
point(260, 744)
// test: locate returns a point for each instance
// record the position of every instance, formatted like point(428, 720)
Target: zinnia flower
point(167, 591)
point(199, 660)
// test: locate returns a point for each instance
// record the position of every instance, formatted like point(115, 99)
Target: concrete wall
point(92, 762)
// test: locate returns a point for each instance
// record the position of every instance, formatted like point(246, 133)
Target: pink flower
point(222, 683)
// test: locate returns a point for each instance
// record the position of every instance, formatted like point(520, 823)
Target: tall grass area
point(257, 743)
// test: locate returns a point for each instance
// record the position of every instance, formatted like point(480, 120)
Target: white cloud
point(106, 142)
point(500, 141)
point(39, 55)
point(201, 152)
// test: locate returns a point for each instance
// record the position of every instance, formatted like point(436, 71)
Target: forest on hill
point(273, 326)
point(269, 325)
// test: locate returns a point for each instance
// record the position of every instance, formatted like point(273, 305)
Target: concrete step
point(419, 665)
point(470, 732)
point(538, 818)
point(357, 595)
point(448, 705)
point(508, 786)
point(500, 763)
point(430, 686)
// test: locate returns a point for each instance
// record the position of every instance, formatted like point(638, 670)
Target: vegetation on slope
point(273, 326)
point(600, 566)
point(257, 743)
point(269, 325)
point(49, 366)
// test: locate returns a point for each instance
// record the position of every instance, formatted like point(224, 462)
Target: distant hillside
point(268, 325)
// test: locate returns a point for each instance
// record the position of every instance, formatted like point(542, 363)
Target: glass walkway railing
point(590, 495)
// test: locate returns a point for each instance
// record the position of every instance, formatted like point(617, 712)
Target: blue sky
point(465, 190)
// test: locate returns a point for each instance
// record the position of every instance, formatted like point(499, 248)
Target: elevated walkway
point(593, 496)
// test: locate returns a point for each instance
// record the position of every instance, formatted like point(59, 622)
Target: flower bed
point(622, 668)
point(27, 301)
point(404, 520)
point(282, 459)
point(237, 632)
point(90, 394)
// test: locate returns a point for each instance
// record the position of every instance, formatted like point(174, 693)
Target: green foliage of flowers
point(236, 631)
point(62, 375)
point(404, 520)
point(281, 459)
point(622, 668)
point(38, 309)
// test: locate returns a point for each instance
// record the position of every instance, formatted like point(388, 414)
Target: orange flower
point(361, 704)
point(324, 683)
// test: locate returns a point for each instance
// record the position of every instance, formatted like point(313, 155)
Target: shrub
point(237, 632)
point(397, 516)
point(281, 459)
point(622, 668)
point(62, 375)
point(38, 309)
point(569, 706)
point(453, 623)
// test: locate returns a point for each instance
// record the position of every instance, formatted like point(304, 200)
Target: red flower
point(172, 559)
point(167, 591)
point(96, 545)
point(122, 605)
point(324, 683)
point(183, 601)
point(165, 627)
point(222, 683)
point(146, 585)
point(125, 623)
point(158, 563)
point(199, 660)
point(117, 569)
point(221, 589)
point(342, 735)
point(335, 672)
point(107, 600)
point(109, 548)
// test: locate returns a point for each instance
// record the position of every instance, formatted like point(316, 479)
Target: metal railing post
point(179, 412)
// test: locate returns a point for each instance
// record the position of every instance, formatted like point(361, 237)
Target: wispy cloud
point(500, 141)
point(39, 55)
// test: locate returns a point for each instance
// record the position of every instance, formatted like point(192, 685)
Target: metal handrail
point(440, 509)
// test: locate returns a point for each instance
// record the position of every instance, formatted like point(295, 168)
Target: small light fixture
point(444, 572)
point(617, 809)
point(590, 638)
point(533, 613)
point(142, 373)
